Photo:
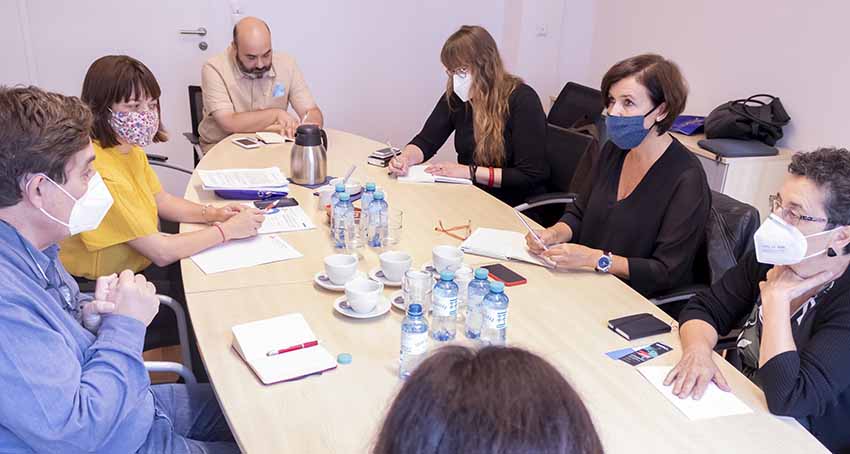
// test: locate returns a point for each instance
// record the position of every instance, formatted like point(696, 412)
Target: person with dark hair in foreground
point(794, 293)
point(495, 400)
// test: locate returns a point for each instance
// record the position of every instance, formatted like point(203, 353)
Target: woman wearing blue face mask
point(794, 293)
point(498, 123)
point(642, 215)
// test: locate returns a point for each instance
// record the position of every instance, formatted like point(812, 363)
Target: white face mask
point(461, 84)
point(780, 243)
point(89, 209)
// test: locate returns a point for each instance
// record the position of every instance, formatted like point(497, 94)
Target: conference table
point(561, 316)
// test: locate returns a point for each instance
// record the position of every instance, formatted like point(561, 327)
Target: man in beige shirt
point(248, 88)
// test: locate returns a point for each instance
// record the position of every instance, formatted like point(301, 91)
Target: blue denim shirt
point(63, 389)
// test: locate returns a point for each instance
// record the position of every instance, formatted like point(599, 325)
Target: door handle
point(200, 31)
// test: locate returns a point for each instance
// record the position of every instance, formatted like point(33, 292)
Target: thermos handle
point(324, 138)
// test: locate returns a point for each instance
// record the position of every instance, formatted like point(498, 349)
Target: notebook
point(272, 138)
point(417, 174)
point(501, 244)
point(637, 326)
point(271, 179)
point(281, 348)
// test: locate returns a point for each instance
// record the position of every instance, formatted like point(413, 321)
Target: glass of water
point(395, 223)
point(416, 287)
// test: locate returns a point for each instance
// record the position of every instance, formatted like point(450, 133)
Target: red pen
point(293, 348)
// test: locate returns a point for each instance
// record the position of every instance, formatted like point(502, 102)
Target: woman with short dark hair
point(496, 400)
point(643, 214)
point(794, 293)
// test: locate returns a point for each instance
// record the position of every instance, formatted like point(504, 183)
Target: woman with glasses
point(498, 122)
point(643, 214)
point(794, 293)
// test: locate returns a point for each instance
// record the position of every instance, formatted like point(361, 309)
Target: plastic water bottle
point(366, 197)
point(343, 221)
point(478, 289)
point(378, 223)
point(444, 308)
point(414, 340)
point(338, 189)
point(494, 330)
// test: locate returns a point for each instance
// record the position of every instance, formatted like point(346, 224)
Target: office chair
point(577, 106)
point(728, 236)
point(569, 154)
point(196, 111)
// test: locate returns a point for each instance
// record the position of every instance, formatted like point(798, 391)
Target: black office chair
point(196, 111)
point(577, 106)
point(728, 236)
point(569, 154)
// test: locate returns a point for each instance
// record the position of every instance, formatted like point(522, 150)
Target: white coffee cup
point(325, 194)
point(394, 264)
point(352, 186)
point(447, 258)
point(363, 294)
point(340, 268)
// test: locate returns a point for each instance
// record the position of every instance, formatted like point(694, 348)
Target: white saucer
point(321, 279)
point(429, 268)
point(381, 308)
point(377, 275)
point(397, 300)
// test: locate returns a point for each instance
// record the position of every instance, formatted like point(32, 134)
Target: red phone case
point(508, 283)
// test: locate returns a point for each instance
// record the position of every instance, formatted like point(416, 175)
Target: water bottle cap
point(447, 275)
point(340, 188)
point(344, 196)
point(497, 287)
point(378, 196)
point(370, 186)
point(414, 309)
point(344, 358)
point(481, 273)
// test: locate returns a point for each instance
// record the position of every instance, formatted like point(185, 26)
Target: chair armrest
point(156, 157)
point(155, 163)
point(552, 198)
point(680, 294)
point(172, 367)
point(193, 139)
point(182, 327)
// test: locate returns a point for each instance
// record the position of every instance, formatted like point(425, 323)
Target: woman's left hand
point(448, 169)
point(570, 256)
point(783, 284)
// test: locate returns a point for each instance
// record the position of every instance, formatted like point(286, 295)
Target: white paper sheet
point(286, 219)
point(713, 404)
point(417, 174)
point(268, 178)
point(248, 252)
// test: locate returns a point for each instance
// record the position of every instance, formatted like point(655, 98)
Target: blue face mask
point(627, 132)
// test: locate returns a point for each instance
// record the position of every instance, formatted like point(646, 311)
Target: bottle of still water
point(338, 189)
point(494, 330)
point(478, 289)
point(414, 340)
point(343, 222)
point(367, 196)
point(378, 221)
point(444, 308)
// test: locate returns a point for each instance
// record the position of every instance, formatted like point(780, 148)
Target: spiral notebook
point(501, 244)
point(417, 174)
point(281, 348)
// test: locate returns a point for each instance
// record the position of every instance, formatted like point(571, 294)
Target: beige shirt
point(226, 87)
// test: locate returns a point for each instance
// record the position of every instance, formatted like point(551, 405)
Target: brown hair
point(496, 400)
point(829, 169)
point(113, 79)
point(473, 47)
point(39, 133)
point(661, 78)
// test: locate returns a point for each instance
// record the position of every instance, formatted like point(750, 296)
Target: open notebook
point(417, 174)
point(281, 348)
point(501, 244)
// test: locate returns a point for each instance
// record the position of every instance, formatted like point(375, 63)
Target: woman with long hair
point(498, 121)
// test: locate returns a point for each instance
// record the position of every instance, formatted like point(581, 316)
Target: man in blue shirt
point(68, 387)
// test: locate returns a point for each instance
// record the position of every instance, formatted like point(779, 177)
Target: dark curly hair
point(829, 169)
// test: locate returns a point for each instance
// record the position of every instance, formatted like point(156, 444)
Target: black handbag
point(759, 117)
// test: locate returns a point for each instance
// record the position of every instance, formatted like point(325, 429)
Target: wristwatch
point(603, 265)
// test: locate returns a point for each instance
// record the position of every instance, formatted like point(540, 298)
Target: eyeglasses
point(788, 214)
point(462, 71)
point(448, 231)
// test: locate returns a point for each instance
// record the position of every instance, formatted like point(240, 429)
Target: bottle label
point(444, 306)
point(414, 343)
point(496, 318)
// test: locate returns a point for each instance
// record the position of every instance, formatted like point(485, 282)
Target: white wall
point(729, 49)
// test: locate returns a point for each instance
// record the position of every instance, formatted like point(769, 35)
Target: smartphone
point(384, 153)
point(502, 273)
point(279, 203)
point(247, 142)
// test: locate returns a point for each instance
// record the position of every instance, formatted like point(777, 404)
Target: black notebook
point(638, 325)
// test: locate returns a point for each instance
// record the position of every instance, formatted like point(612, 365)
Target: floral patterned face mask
point(138, 128)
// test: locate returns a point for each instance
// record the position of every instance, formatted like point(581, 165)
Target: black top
point(658, 227)
point(525, 168)
point(811, 383)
